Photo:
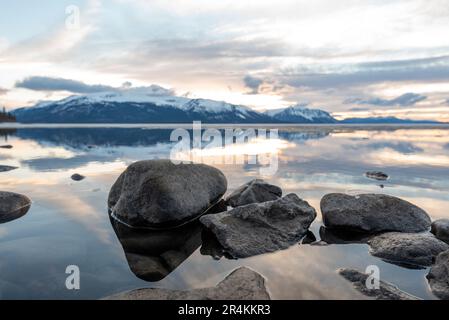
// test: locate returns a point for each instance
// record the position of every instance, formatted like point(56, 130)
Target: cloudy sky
point(349, 57)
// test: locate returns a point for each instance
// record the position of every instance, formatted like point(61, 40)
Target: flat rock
point(6, 168)
point(407, 249)
point(386, 291)
point(377, 175)
point(372, 213)
point(13, 206)
point(261, 227)
point(255, 191)
point(77, 177)
point(438, 276)
point(440, 228)
point(161, 194)
point(242, 284)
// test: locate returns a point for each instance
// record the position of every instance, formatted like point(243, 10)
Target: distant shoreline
point(377, 126)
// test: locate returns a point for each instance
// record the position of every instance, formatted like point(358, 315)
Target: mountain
point(385, 120)
point(301, 114)
point(137, 105)
point(157, 105)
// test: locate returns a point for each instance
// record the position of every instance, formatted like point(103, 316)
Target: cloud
point(252, 83)
point(3, 91)
point(60, 84)
point(407, 99)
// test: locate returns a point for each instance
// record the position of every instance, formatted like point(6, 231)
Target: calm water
point(68, 223)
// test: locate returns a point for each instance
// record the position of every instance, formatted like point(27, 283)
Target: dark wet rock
point(438, 276)
point(341, 236)
point(210, 245)
point(372, 213)
point(154, 254)
point(255, 191)
point(161, 194)
point(77, 177)
point(242, 284)
point(377, 175)
point(386, 291)
point(13, 206)
point(440, 228)
point(413, 249)
point(6, 146)
point(308, 238)
point(7, 168)
point(261, 227)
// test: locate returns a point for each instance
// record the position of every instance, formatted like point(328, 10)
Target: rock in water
point(407, 249)
point(6, 146)
point(261, 227)
point(241, 284)
point(13, 206)
point(161, 194)
point(77, 177)
point(377, 175)
point(255, 191)
point(386, 290)
point(438, 276)
point(440, 228)
point(7, 168)
point(372, 213)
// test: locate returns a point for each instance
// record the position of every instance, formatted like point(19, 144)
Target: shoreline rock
point(159, 194)
point(386, 291)
point(13, 206)
point(241, 284)
point(440, 228)
point(438, 276)
point(407, 249)
point(372, 213)
point(255, 191)
point(261, 227)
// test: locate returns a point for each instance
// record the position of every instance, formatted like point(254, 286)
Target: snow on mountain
point(301, 114)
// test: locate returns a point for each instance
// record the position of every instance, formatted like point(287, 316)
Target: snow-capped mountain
point(155, 104)
point(301, 114)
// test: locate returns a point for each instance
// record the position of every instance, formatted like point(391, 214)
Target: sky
point(352, 58)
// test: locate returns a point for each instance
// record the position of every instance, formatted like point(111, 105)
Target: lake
point(68, 223)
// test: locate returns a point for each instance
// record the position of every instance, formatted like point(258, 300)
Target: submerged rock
point(7, 168)
point(407, 249)
point(440, 228)
point(372, 213)
point(386, 291)
point(13, 206)
point(438, 276)
point(161, 194)
point(241, 284)
point(6, 146)
point(377, 175)
point(261, 227)
point(77, 177)
point(255, 191)
point(339, 236)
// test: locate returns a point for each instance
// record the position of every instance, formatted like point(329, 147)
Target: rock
point(372, 213)
point(440, 228)
point(438, 276)
point(241, 284)
point(255, 191)
point(7, 168)
point(261, 227)
point(160, 194)
point(77, 177)
point(407, 249)
point(386, 291)
point(377, 175)
point(154, 254)
point(308, 238)
point(6, 146)
point(339, 236)
point(13, 206)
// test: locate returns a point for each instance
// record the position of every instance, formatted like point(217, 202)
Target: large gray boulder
point(386, 291)
point(407, 249)
point(440, 228)
point(241, 284)
point(13, 206)
point(438, 276)
point(261, 227)
point(255, 191)
point(161, 194)
point(372, 213)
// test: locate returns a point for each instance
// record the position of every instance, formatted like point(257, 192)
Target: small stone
point(377, 175)
point(77, 177)
point(7, 168)
point(6, 146)
point(13, 206)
